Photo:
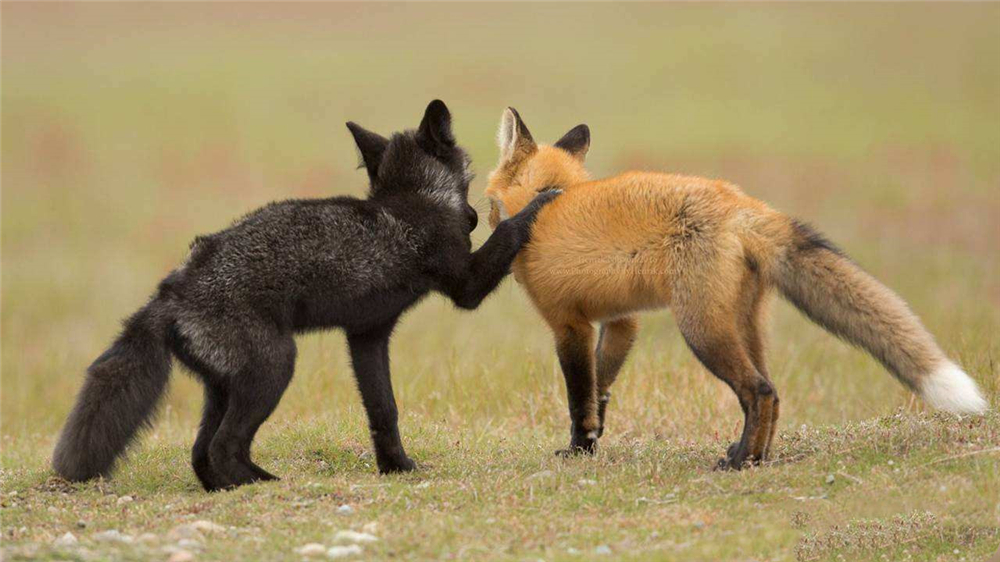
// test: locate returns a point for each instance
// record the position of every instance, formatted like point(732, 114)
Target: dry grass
point(129, 129)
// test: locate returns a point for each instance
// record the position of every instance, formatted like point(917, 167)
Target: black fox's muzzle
point(473, 217)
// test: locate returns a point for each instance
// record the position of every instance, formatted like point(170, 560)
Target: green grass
point(129, 129)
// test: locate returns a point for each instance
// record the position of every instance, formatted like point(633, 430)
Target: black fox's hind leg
point(253, 396)
point(613, 345)
point(370, 357)
point(575, 347)
point(213, 410)
point(216, 399)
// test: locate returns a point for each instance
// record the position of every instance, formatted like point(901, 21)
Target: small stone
point(955, 551)
point(586, 482)
point(343, 551)
point(355, 537)
point(69, 539)
point(181, 556)
point(124, 500)
point(184, 532)
point(603, 550)
point(147, 538)
point(112, 535)
point(311, 550)
point(345, 509)
point(891, 462)
point(830, 478)
point(190, 544)
point(423, 485)
point(207, 526)
point(370, 527)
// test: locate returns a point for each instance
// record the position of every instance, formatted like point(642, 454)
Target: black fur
point(522, 129)
point(809, 239)
point(576, 141)
point(230, 312)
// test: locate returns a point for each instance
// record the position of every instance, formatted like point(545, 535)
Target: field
point(128, 129)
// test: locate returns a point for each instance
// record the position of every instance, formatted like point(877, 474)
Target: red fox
point(607, 249)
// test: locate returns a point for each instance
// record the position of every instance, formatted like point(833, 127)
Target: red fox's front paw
point(580, 445)
point(736, 458)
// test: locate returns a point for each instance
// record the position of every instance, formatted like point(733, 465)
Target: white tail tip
point(949, 388)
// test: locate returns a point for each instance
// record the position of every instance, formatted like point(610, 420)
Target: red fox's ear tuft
point(576, 142)
point(513, 136)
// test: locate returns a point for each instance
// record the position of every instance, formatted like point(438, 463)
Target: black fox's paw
point(392, 466)
point(261, 474)
point(540, 200)
point(546, 196)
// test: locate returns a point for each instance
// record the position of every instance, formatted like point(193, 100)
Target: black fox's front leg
point(370, 357)
point(488, 265)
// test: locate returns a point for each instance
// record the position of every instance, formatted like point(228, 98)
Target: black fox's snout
point(472, 216)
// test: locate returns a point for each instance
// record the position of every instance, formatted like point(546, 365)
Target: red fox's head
point(526, 168)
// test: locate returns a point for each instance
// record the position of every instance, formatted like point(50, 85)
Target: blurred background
point(128, 129)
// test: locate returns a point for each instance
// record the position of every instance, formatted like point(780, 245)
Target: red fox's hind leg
point(719, 345)
point(613, 345)
point(753, 322)
point(575, 347)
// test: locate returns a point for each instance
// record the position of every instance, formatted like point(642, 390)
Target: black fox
point(230, 312)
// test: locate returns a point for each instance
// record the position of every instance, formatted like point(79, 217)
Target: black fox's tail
point(118, 398)
point(838, 295)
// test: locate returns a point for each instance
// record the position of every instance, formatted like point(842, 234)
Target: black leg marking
point(576, 358)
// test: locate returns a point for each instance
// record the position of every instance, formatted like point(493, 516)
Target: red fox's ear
point(513, 136)
point(576, 142)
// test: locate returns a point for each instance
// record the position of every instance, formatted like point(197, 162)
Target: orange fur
point(609, 248)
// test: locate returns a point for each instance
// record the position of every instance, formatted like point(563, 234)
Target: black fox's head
point(425, 161)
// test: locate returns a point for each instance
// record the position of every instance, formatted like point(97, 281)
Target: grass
point(128, 129)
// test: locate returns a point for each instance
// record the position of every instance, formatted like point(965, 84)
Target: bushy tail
point(118, 398)
point(839, 296)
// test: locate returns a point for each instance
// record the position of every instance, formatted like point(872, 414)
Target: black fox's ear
point(576, 141)
point(371, 145)
point(513, 136)
point(436, 125)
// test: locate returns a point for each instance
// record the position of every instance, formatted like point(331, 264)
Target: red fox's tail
point(837, 294)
